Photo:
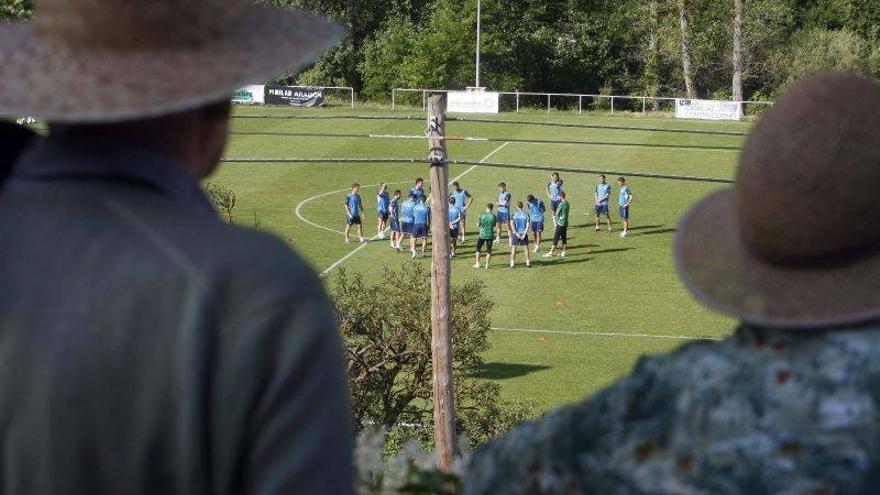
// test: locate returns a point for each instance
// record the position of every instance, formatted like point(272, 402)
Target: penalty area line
point(355, 251)
point(602, 334)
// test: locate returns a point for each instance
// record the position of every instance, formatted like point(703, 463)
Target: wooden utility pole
point(441, 340)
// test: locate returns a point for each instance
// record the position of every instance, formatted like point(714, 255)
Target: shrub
point(223, 199)
point(387, 333)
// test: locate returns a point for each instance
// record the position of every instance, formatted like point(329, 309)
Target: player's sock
point(511, 263)
point(562, 254)
point(547, 254)
point(597, 228)
point(528, 263)
point(477, 264)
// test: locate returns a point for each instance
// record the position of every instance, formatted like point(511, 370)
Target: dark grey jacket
point(148, 348)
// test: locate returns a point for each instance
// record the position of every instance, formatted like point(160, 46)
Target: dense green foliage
point(591, 45)
point(586, 46)
point(388, 342)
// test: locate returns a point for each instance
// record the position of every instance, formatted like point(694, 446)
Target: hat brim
point(717, 268)
point(48, 81)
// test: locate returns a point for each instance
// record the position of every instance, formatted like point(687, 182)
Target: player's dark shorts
point(602, 209)
point(484, 242)
point(516, 241)
point(554, 205)
point(453, 233)
point(420, 231)
point(406, 227)
point(502, 217)
point(395, 225)
point(537, 226)
point(561, 234)
point(384, 216)
point(624, 212)
point(355, 220)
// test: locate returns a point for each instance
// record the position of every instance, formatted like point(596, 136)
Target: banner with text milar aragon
point(295, 97)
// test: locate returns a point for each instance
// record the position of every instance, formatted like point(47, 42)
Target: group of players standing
point(411, 217)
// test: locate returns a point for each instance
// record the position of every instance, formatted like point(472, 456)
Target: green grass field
point(564, 327)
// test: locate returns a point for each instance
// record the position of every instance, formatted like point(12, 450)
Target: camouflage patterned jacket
point(761, 412)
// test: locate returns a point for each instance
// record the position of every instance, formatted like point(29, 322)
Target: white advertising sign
point(472, 102)
point(250, 95)
point(708, 109)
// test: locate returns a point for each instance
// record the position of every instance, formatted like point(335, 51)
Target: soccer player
point(519, 228)
point(561, 233)
point(383, 204)
point(419, 190)
point(406, 216)
point(454, 225)
point(463, 200)
point(554, 187)
point(487, 223)
point(624, 199)
point(394, 214)
point(602, 195)
point(503, 216)
point(536, 218)
point(421, 219)
point(353, 206)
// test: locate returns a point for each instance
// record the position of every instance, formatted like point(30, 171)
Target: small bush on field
point(387, 332)
point(223, 199)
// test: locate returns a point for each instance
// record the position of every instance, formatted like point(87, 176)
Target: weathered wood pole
point(441, 340)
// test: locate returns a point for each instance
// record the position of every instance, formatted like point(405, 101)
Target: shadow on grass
point(505, 371)
point(660, 231)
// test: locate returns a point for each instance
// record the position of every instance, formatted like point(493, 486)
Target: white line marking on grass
point(298, 211)
point(354, 251)
point(603, 334)
point(496, 150)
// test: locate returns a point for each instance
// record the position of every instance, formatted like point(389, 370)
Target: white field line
point(355, 250)
point(496, 150)
point(602, 334)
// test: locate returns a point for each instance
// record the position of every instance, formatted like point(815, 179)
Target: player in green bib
point(487, 222)
point(561, 233)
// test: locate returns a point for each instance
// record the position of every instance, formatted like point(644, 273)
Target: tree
point(11, 10)
point(387, 336)
point(686, 64)
point(737, 90)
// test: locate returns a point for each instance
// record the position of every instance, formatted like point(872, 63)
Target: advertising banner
point(472, 102)
point(250, 95)
point(708, 109)
point(295, 97)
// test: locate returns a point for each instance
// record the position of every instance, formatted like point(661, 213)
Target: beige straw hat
point(110, 60)
point(796, 242)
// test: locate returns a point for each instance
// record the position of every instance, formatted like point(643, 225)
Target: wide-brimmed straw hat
point(110, 60)
point(796, 242)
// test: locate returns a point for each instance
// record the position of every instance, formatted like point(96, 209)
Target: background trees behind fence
point(581, 46)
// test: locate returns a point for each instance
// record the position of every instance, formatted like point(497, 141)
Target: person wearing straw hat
point(145, 346)
point(789, 403)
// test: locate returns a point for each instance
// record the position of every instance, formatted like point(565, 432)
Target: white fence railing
point(596, 100)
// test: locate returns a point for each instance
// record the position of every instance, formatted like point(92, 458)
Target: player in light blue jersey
point(624, 199)
point(383, 204)
point(519, 230)
point(463, 200)
point(421, 221)
point(419, 190)
point(503, 213)
point(602, 195)
point(394, 214)
point(536, 218)
point(455, 219)
point(353, 206)
point(406, 215)
point(554, 187)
